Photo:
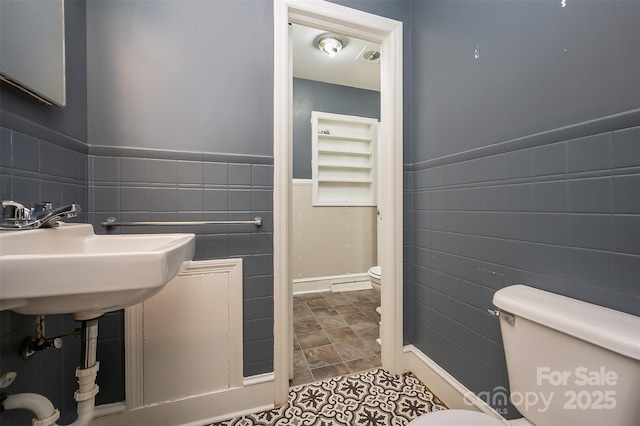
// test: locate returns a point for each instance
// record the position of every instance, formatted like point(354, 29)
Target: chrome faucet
point(16, 216)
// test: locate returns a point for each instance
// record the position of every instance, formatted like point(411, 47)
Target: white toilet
point(375, 273)
point(581, 361)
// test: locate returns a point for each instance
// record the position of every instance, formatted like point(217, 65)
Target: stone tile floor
point(372, 398)
point(334, 334)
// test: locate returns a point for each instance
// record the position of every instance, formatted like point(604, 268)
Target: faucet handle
point(43, 206)
point(14, 211)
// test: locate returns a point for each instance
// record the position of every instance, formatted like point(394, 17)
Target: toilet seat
point(456, 418)
point(375, 271)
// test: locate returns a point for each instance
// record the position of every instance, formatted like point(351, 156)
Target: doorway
point(387, 33)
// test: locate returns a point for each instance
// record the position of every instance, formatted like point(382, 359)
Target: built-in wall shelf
point(343, 159)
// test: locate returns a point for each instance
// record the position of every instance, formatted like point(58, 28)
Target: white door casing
point(388, 33)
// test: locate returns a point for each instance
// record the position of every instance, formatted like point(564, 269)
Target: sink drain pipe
point(44, 411)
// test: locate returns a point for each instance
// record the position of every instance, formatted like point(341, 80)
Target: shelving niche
point(343, 159)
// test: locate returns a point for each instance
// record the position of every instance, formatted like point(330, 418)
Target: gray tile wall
point(562, 217)
point(197, 188)
point(33, 170)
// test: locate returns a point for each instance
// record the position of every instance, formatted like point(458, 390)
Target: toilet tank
point(569, 362)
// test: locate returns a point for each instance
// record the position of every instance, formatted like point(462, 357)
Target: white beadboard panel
point(330, 241)
point(193, 333)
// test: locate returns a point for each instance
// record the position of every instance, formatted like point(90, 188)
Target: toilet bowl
point(375, 276)
point(456, 418)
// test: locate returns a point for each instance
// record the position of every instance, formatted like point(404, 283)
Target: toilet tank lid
point(613, 330)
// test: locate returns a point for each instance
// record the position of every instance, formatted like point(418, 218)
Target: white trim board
point(446, 387)
point(334, 283)
point(199, 409)
point(388, 33)
point(135, 337)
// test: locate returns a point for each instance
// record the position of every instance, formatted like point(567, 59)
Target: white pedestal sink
point(69, 269)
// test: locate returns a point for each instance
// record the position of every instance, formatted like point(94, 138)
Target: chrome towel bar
point(111, 223)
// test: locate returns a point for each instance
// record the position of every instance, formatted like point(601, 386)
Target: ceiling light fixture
point(330, 44)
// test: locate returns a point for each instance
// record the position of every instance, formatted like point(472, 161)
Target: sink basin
point(69, 269)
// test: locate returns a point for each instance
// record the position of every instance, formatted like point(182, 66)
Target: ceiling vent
point(369, 54)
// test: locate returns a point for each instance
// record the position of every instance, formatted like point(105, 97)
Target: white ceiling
point(312, 64)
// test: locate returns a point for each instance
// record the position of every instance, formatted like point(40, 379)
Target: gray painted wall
point(540, 67)
point(30, 116)
point(317, 96)
point(493, 202)
point(181, 75)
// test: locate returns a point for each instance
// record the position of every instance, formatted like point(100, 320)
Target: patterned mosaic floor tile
point(373, 398)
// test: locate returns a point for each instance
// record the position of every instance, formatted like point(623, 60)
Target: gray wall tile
point(626, 272)
point(216, 199)
point(239, 200)
point(625, 303)
point(453, 199)
point(134, 170)
point(591, 231)
point(74, 165)
point(452, 175)
point(471, 199)
point(26, 190)
point(551, 260)
point(163, 171)
point(105, 169)
point(262, 174)
point(626, 233)
point(190, 172)
point(25, 152)
point(550, 196)
point(550, 159)
point(51, 159)
point(239, 244)
point(239, 174)
point(261, 200)
point(590, 267)
point(493, 198)
point(519, 198)
point(519, 254)
point(625, 148)
point(493, 168)
point(589, 293)
point(589, 153)
point(519, 164)
point(551, 228)
point(190, 199)
point(216, 173)
point(590, 195)
point(163, 199)
point(106, 199)
point(52, 191)
point(5, 147)
point(626, 194)
point(518, 226)
point(471, 171)
point(134, 199)
point(493, 224)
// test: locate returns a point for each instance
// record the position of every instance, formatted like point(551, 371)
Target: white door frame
point(388, 33)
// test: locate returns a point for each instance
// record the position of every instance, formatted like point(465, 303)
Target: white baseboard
point(109, 409)
point(200, 409)
point(447, 388)
point(335, 283)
